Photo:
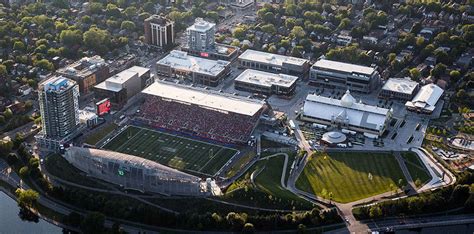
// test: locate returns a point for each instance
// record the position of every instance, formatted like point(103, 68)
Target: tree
point(97, 39)
point(455, 75)
point(93, 223)
point(3, 70)
point(301, 228)
point(8, 113)
point(18, 45)
point(127, 25)
point(269, 28)
point(438, 70)
point(112, 10)
point(24, 172)
point(44, 64)
point(239, 33)
point(344, 23)
point(418, 182)
point(298, 32)
point(415, 74)
point(375, 212)
point(71, 37)
point(268, 17)
point(27, 197)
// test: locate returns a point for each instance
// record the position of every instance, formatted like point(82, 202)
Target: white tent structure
point(346, 113)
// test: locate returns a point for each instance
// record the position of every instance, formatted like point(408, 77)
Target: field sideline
point(174, 151)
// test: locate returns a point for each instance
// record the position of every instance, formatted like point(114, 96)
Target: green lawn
point(346, 175)
point(99, 135)
point(174, 151)
point(268, 192)
point(416, 168)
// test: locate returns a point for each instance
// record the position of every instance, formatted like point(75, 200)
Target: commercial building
point(59, 107)
point(122, 86)
point(179, 65)
point(399, 88)
point(332, 74)
point(346, 114)
point(87, 72)
point(266, 83)
point(201, 42)
point(426, 99)
point(276, 63)
point(159, 31)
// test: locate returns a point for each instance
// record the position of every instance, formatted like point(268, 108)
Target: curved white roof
point(159, 169)
point(205, 98)
point(334, 137)
point(426, 98)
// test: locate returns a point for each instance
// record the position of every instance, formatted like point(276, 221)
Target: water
point(12, 223)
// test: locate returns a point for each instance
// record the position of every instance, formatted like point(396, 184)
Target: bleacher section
point(199, 120)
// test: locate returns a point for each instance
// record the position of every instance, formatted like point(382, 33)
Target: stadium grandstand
point(198, 112)
point(137, 173)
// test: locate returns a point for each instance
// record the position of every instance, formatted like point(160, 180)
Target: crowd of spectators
point(200, 121)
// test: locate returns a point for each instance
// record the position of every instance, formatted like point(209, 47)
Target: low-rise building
point(332, 74)
point(426, 99)
point(264, 61)
point(179, 65)
point(124, 85)
point(346, 113)
point(266, 83)
point(399, 88)
point(87, 72)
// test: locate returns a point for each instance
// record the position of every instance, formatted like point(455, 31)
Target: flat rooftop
point(83, 67)
point(56, 84)
point(205, 98)
point(115, 82)
point(182, 61)
point(269, 58)
point(201, 25)
point(266, 79)
point(400, 85)
point(343, 67)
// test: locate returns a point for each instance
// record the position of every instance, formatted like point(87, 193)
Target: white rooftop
point(266, 79)
point(343, 67)
point(400, 85)
point(345, 109)
point(115, 82)
point(426, 98)
point(181, 60)
point(205, 98)
point(201, 25)
point(274, 59)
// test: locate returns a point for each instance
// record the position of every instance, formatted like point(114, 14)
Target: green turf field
point(415, 167)
point(174, 151)
point(346, 175)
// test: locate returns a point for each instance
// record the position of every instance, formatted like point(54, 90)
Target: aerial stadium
point(201, 113)
point(137, 173)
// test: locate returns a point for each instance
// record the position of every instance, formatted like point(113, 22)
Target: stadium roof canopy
point(426, 98)
point(346, 110)
point(325, 64)
point(205, 98)
point(127, 159)
point(266, 79)
point(269, 58)
point(400, 85)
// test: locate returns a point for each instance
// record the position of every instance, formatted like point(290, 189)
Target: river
point(12, 223)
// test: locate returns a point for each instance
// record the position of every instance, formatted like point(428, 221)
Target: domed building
point(346, 113)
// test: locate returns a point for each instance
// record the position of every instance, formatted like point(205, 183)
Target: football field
point(174, 151)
